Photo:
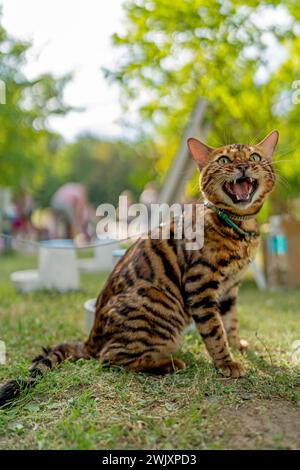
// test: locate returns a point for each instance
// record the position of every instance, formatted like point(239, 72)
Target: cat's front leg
point(228, 313)
point(205, 312)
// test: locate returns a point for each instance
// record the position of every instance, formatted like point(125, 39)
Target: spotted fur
point(159, 287)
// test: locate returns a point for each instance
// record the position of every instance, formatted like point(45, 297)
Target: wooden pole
point(182, 167)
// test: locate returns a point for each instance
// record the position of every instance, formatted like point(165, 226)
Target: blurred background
point(97, 98)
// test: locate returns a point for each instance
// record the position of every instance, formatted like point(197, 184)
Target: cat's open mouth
point(241, 189)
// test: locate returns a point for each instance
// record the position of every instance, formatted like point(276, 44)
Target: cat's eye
point(255, 157)
point(223, 160)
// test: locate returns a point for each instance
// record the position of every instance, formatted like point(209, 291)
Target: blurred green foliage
point(105, 167)
point(26, 144)
point(243, 57)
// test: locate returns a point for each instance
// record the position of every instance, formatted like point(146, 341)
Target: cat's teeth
point(234, 181)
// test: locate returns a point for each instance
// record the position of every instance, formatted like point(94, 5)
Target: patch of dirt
point(261, 424)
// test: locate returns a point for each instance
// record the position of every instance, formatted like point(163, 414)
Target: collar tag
point(228, 220)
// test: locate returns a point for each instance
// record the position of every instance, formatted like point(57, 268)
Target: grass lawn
point(86, 406)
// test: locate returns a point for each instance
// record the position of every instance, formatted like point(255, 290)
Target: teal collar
point(227, 218)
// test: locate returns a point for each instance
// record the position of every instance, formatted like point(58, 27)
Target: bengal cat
point(160, 286)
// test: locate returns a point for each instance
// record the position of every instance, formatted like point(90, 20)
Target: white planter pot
point(26, 281)
point(103, 258)
point(104, 254)
point(58, 269)
point(90, 308)
point(117, 255)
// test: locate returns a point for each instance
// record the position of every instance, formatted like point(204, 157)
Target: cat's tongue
point(241, 189)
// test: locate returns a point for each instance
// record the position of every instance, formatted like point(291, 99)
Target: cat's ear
point(200, 151)
point(269, 143)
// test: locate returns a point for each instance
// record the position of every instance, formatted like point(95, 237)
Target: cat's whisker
point(286, 151)
point(277, 173)
point(256, 139)
point(286, 184)
point(283, 181)
point(280, 179)
point(280, 159)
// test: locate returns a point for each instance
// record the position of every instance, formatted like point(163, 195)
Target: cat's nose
point(243, 167)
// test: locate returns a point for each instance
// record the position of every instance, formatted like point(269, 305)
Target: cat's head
point(236, 177)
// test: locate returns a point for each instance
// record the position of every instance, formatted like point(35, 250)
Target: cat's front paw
point(232, 369)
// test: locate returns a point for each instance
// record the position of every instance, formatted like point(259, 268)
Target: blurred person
point(69, 205)
point(43, 222)
point(149, 195)
point(122, 217)
point(24, 206)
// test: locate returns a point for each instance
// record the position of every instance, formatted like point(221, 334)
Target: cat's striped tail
point(41, 365)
